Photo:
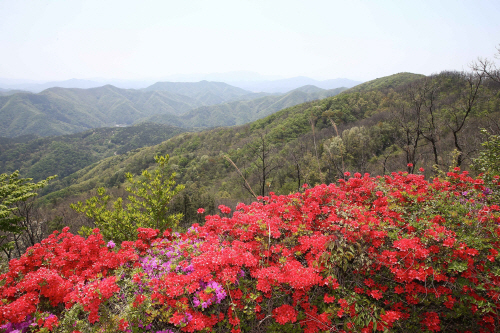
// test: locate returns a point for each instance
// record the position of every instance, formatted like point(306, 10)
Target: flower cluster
point(210, 292)
point(386, 253)
point(63, 269)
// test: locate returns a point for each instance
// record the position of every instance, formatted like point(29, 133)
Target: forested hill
point(376, 131)
point(387, 82)
point(242, 112)
point(8, 92)
point(39, 158)
point(208, 93)
point(59, 111)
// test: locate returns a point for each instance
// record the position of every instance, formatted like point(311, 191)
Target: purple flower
point(111, 244)
point(188, 269)
point(187, 318)
point(22, 327)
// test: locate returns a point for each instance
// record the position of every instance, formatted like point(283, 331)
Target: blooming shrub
point(394, 253)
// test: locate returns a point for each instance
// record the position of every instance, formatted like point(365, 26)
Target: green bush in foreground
point(147, 205)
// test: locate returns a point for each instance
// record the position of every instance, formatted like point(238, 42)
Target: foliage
point(388, 82)
point(394, 253)
point(59, 111)
point(488, 161)
point(14, 190)
point(63, 155)
point(147, 205)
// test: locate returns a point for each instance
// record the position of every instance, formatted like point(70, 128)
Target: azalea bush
point(393, 253)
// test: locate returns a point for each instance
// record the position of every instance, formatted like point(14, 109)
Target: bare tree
point(462, 105)
point(266, 161)
point(488, 67)
point(407, 112)
point(32, 221)
point(431, 126)
point(296, 159)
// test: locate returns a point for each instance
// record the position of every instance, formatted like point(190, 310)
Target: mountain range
point(244, 80)
point(357, 130)
point(312, 142)
point(57, 111)
point(284, 85)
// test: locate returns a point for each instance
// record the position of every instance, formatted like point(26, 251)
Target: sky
point(322, 39)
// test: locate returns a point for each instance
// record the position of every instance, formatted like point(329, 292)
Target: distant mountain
point(58, 111)
point(285, 85)
point(234, 76)
point(208, 93)
point(310, 89)
point(8, 92)
point(241, 112)
point(72, 83)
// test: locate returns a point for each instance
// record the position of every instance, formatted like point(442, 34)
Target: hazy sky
point(359, 39)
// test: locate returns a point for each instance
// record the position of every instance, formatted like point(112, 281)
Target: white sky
point(356, 39)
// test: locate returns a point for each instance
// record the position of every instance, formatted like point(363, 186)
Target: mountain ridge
point(286, 85)
point(57, 111)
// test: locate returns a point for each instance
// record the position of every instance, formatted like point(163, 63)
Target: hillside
point(370, 132)
point(208, 93)
point(58, 111)
point(39, 158)
point(242, 112)
point(387, 82)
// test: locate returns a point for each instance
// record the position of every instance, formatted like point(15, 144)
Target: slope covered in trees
point(40, 158)
point(377, 131)
point(242, 112)
point(388, 82)
point(58, 111)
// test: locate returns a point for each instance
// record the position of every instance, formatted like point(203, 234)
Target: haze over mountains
point(243, 111)
point(251, 81)
point(284, 85)
point(57, 111)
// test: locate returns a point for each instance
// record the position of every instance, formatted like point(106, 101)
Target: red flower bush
point(386, 253)
point(62, 269)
